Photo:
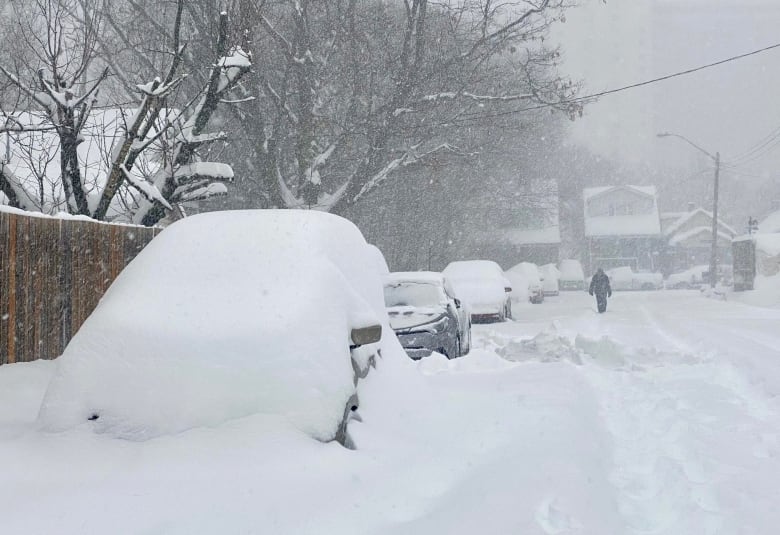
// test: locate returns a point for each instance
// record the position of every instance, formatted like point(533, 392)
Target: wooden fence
point(53, 272)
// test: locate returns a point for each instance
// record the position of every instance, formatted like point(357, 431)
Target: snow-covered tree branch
point(152, 160)
point(349, 93)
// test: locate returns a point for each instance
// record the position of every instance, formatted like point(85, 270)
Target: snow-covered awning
point(623, 225)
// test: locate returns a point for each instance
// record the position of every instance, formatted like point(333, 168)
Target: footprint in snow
point(553, 520)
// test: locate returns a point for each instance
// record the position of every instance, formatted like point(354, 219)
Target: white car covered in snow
point(690, 278)
point(526, 281)
point(550, 279)
point(481, 284)
point(625, 278)
point(225, 315)
point(572, 277)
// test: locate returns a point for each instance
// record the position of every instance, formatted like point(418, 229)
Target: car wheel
point(350, 413)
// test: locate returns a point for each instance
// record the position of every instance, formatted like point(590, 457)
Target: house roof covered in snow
point(698, 231)
point(687, 216)
point(590, 193)
point(770, 224)
point(647, 224)
point(768, 243)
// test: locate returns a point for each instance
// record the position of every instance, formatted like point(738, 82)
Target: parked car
point(690, 278)
point(226, 315)
point(625, 278)
point(572, 276)
point(526, 274)
point(550, 279)
point(426, 316)
point(482, 286)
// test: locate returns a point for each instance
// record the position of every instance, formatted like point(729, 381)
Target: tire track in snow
point(663, 486)
point(692, 453)
point(696, 442)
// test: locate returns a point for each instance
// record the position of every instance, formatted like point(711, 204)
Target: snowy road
point(660, 416)
point(687, 391)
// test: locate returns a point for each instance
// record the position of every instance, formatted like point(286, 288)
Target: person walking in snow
point(599, 285)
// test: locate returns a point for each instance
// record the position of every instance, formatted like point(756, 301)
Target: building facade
point(688, 237)
point(622, 228)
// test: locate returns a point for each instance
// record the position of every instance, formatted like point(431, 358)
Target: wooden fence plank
point(3, 290)
point(11, 355)
point(53, 273)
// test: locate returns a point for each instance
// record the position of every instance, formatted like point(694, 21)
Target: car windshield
point(415, 294)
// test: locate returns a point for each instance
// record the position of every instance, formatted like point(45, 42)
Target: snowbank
point(766, 292)
point(769, 244)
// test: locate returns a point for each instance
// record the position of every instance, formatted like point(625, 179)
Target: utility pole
point(716, 159)
point(714, 253)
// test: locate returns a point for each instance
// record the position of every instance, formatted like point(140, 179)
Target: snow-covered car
point(426, 316)
point(482, 286)
point(526, 275)
point(550, 279)
point(572, 276)
point(224, 315)
point(690, 278)
point(625, 278)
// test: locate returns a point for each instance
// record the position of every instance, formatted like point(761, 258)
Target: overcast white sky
point(729, 108)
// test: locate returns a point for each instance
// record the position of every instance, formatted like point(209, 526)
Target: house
point(539, 246)
point(688, 237)
point(622, 227)
point(34, 157)
point(534, 236)
point(509, 246)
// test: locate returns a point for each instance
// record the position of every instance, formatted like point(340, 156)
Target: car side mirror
point(365, 335)
point(457, 303)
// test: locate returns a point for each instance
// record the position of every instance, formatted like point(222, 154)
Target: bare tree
point(352, 92)
point(66, 38)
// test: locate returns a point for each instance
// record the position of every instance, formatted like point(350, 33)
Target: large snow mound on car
point(222, 316)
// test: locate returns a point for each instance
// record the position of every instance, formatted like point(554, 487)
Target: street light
point(716, 159)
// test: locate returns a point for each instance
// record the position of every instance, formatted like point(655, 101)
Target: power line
point(761, 148)
point(631, 86)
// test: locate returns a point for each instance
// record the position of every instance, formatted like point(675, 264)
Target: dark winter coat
point(599, 284)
